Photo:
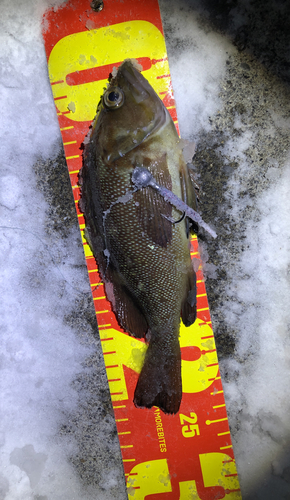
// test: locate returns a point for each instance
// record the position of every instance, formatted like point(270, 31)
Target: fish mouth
point(135, 82)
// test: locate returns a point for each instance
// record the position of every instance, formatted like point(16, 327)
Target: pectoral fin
point(154, 213)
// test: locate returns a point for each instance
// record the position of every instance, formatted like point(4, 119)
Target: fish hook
point(141, 177)
point(172, 220)
point(179, 220)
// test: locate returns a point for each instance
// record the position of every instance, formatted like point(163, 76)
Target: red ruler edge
point(189, 455)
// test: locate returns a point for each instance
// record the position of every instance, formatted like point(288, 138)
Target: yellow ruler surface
point(188, 456)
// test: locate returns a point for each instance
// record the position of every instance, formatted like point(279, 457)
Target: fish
point(139, 240)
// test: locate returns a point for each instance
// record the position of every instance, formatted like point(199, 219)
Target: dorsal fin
point(187, 191)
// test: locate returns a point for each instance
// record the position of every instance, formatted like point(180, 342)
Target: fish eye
point(113, 98)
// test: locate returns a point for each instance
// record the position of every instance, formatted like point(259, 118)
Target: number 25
point(192, 429)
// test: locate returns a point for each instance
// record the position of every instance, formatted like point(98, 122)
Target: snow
point(43, 282)
point(199, 58)
point(41, 278)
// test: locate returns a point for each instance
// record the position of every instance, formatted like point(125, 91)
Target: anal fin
point(125, 305)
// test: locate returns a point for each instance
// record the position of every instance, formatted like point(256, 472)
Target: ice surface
point(57, 431)
point(30, 462)
point(197, 64)
point(44, 350)
point(261, 285)
point(240, 121)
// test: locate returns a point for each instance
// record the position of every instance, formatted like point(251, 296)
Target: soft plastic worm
point(141, 177)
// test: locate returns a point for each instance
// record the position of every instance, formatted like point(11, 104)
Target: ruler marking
point(66, 128)
point(226, 447)
point(209, 422)
point(155, 61)
point(215, 393)
point(96, 285)
point(61, 97)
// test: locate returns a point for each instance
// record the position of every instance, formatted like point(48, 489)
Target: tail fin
point(159, 382)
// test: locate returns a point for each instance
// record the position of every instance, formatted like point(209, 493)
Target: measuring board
point(188, 456)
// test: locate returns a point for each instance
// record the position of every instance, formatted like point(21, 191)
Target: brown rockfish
point(143, 256)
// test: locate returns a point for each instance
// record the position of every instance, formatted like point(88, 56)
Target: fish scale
point(147, 254)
